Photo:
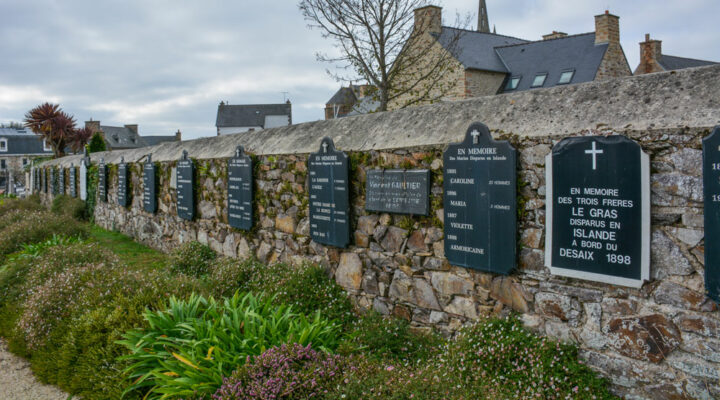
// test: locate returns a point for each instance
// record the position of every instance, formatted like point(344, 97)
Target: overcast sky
point(166, 65)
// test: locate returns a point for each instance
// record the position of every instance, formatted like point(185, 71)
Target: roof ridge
point(485, 33)
point(253, 105)
point(688, 58)
point(546, 40)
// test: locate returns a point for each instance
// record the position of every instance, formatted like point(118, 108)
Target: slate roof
point(153, 140)
point(344, 95)
point(553, 56)
point(21, 141)
point(476, 50)
point(229, 116)
point(672, 63)
point(120, 137)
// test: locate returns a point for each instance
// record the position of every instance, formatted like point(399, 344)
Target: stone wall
point(659, 341)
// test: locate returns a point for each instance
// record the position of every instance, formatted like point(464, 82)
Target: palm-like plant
point(55, 125)
point(79, 139)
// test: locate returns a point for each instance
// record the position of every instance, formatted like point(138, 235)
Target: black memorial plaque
point(149, 194)
point(43, 180)
point(598, 210)
point(711, 183)
point(185, 183)
point(36, 179)
point(102, 181)
point(398, 191)
point(122, 186)
point(240, 190)
point(61, 180)
point(329, 196)
point(53, 181)
point(479, 200)
point(72, 177)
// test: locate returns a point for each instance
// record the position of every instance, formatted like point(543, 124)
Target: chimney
point(650, 56)
point(607, 28)
point(178, 136)
point(554, 35)
point(428, 19)
point(133, 128)
point(93, 126)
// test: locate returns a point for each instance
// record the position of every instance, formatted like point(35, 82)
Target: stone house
point(653, 60)
point(18, 147)
point(486, 63)
point(127, 136)
point(351, 100)
point(252, 117)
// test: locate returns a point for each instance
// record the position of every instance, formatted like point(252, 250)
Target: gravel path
point(17, 381)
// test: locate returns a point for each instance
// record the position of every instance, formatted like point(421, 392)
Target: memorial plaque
point(711, 183)
point(36, 180)
point(598, 210)
point(122, 186)
point(83, 178)
point(61, 180)
point(479, 200)
point(240, 190)
point(72, 179)
point(102, 181)
point(398, 191)
point(149, 195)
point(53, 181)
point(329, 191)
point(43, 181)
point(185, 184)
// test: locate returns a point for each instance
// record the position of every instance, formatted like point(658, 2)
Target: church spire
point(483, 24)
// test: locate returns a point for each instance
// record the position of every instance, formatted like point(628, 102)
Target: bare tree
point(378, 42)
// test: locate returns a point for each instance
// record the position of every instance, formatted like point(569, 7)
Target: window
point(25, 161)
point(3, 144)
point(512, 83)
point(46, 146)
point(566, 77)
point(2, 164)
point(539, 80)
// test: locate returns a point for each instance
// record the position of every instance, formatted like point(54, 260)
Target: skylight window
point(566, 77)
point(3, 144)
point(539, 80)
point(513, 83)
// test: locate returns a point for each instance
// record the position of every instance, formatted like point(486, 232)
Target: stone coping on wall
point(668, 100)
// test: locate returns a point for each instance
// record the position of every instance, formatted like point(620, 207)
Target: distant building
point(127, 137)
point(252, 117)
point(653, 60)
point(18, 147)
point(485, 63)
point(351, 100)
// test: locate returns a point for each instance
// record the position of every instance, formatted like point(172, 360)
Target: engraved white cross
point(324, 146)
point(475, 135)
point(594, 153)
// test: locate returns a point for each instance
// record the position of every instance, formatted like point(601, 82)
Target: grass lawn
point(131, 252)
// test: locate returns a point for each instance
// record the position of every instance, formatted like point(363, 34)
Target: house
point(653, 60)
point(351, 100)
point(18, 147)
point(486, 63)
point(251, 117)
point(127, 136)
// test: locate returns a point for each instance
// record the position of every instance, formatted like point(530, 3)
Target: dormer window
point(566, 77)
point(3, 145)
point(46, 146)
point(512, 83)
point(539, 80)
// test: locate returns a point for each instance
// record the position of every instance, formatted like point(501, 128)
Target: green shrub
point(35, 227)
point(307, 287)
point(31, 203)
point(228, 275)
point(66, 205)
point(192, 258)
point(97, 143)
point(390, 338)
point(188, 348)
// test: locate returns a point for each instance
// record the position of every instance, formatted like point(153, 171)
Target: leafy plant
point(67, 205)
point(192, 258)
point(37, 227)
point(189, 347)
point(34, 250)
point(97, 143)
